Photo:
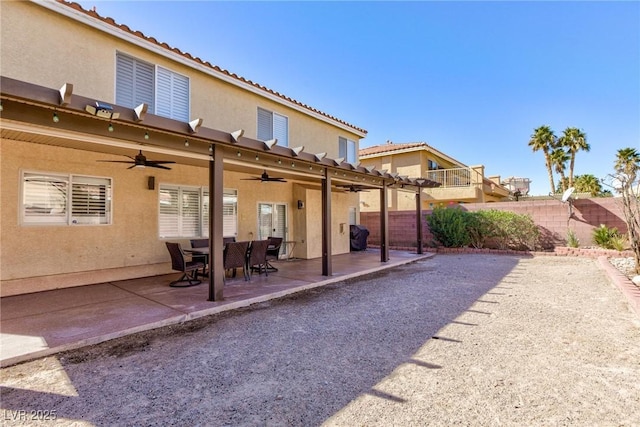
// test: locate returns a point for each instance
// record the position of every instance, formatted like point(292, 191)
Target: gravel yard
point(479, 340)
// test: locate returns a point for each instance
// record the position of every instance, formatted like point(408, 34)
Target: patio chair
point(189, 269)
point(235, 256)
point(201, 243)
point(273, 251)
point(257, 257)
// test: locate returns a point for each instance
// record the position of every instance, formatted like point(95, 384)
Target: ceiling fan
point(140, 161)
point(265, 178)
point(353, 188)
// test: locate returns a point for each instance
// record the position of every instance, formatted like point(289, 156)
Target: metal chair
point(189, 269)
point(273, 251)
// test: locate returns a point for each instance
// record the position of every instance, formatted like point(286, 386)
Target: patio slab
point(44, 323)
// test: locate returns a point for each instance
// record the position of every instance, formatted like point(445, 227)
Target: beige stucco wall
point(40, 257)
point(42, 47)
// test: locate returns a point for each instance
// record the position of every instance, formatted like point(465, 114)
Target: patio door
point(272, 221)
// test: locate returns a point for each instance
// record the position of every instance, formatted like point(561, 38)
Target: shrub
point(604, 237)
point(572, 239)
point(449, 227)
point(489, 228)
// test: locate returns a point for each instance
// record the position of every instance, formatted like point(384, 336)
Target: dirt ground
point(480, 340)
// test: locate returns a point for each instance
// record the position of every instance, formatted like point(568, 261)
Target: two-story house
point(454, 181)
point(113, 143)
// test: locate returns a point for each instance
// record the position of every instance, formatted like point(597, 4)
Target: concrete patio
point(44, 323)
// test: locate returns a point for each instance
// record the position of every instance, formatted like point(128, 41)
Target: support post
point(216, 190)
point(326, 224)
point(419, 219)
point(384, 220)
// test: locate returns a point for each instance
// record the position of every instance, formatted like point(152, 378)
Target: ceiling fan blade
point(251, 179)
point(160, 162)
point(115, 161)
point(156, 165)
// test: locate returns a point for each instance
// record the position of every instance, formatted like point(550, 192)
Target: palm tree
point(559, 159)
point(588, 183)
point(545, 140)
point(628, 162)
point(574, 140)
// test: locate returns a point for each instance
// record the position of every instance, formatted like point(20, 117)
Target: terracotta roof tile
point(388, 147)
point(141, 35)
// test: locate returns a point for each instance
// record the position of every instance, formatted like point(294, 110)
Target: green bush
point(449, 227)
point(608, 238)
point(454, 227)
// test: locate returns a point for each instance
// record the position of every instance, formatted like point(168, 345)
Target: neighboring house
point(458, 183)
point(72, 216)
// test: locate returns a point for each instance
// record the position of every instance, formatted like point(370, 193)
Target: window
point(164, 91)
point(65, 199)
point(273, 125)
point(184, 212)
point(347, 150)
point(431, 165)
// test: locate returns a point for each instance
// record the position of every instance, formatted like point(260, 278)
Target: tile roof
point(111, 21)
point(389, 146)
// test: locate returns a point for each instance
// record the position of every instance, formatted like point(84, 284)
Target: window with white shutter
point(273, 125)
point(184, 212)
point(164, 91)
point(347, 150)
point(65, 199)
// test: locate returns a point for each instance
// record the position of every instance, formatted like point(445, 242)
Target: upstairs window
point(50, 199)
point(347, 150)
point(431, 165)
point(273, 125)
point(164, 91)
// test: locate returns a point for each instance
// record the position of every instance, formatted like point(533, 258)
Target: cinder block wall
point(551, 217)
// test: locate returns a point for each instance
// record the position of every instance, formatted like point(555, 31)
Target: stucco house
point(456, 182)
point(103, 93)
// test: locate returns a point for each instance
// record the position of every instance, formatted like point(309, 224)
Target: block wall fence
point(551, 217)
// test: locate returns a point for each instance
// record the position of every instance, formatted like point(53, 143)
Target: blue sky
point(473, 79)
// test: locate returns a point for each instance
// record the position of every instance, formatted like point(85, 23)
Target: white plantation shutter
point(190, 215)
point(90, 200)
point(347, 149)
point(230, 213)
point(65, 199)
point(281, 129)
point(134, 82)
point(169, 212)
point(172, 95)
point(44, 198)
point(265, 125)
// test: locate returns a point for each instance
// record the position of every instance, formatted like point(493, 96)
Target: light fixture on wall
point(186, 142)
point(239, 154)
point(110, 128)
point(300, 204)
point(55, 119)
point(146, 135)
point(257, 157)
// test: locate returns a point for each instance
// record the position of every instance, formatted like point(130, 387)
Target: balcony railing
point(447, 178)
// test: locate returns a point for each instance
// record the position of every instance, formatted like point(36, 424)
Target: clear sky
point(473, 79)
